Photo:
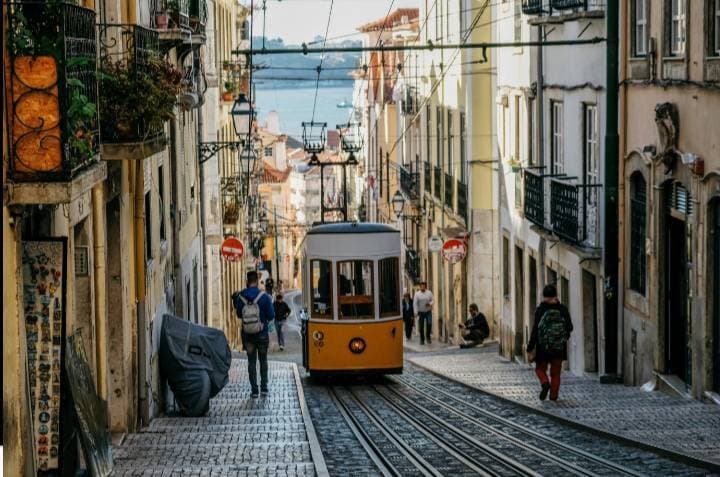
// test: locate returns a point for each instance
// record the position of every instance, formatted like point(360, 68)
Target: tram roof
point(351, 228)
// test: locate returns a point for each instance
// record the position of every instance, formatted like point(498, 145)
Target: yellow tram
point(351, 319)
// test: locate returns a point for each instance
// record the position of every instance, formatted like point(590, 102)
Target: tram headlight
point(357, 345)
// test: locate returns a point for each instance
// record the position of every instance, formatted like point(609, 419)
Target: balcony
point(427, 174)
point(412, 264)
point(437, 182)
point(462, 200)
point(138, 92)
point(532, 7)
point(409, 102)
point(52, 91)
point(449, 182)
point(574, 212)
point(172, 21)
point(568, 4)
point(233, 80)
point(198, 17)
point(534, 197)
point(409, 183)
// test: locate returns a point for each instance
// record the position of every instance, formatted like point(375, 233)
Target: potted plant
point(514, 164)
point(228, 93)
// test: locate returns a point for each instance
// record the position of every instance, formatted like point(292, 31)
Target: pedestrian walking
point(269, 285)
point(548, 340)
point(282, 311)
point(255, 310)
point(475, 329)
point(423, 302)
point(408, 315)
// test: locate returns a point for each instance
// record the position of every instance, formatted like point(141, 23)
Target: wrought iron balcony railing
point(574, 212)
point(568, 4)
point(448, 195)
point(198, 16)
point(52, 91)
point(437, 182)
point(534, 197)
point(427, 174)
point(409, 183)
point(533, 7)
point(130, 57)
point(462, 200)
point(177, 12)
point(412, 264)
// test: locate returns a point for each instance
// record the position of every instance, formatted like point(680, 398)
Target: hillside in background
point(297, 70)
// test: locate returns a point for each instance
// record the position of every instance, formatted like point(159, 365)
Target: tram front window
point(389, 287)
point(355, 290)
point(321, 283)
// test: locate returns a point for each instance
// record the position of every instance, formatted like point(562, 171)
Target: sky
point(297, 21)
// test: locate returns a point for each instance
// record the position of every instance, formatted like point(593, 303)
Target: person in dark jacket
point(282, 311)
point(256, 344)
point(408, 315)
point(476, 329)
point(548, 340)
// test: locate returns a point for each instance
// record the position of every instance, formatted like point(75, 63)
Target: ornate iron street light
point(398, 203)
point(351, 141)
point(242, 115)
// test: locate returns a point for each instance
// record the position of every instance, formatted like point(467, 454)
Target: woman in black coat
point(408, 315)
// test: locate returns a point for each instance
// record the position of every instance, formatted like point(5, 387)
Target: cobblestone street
point(686, 426)
point(239, 437)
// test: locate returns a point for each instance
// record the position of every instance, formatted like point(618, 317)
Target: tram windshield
point(321, 283)
point(389, 287)
point(355, 290)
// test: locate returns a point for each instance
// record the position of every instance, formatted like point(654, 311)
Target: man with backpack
point(282, 311)
point(550, 333)
point(255, 310)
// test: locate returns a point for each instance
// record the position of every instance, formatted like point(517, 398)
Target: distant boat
point(344, 104)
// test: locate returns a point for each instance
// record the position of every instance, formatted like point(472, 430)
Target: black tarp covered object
point(195, 360)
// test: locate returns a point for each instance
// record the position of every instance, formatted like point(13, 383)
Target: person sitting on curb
point(476, 328)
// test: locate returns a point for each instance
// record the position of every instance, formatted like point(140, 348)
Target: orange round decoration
point(232, 249)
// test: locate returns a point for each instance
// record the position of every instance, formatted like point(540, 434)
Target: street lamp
point(248, 158)
point(398, 203)
point(242, 114)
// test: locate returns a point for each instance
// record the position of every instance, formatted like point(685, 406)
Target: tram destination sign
point(232, 249)
point(454, 250)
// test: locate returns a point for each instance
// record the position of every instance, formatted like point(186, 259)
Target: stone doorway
point(519, 301)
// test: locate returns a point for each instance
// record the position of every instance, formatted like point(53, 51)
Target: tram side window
point(389, 287)
point(321, 284)
point(355, 290)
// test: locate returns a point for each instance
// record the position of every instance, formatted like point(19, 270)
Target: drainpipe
point(201, 170)
point(540, 106)
point(611, 191)
point(621, 192)
point(99, 258)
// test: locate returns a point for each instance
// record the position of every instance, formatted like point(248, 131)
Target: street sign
point(232, 249)
point(435, 244)
point(454, 250)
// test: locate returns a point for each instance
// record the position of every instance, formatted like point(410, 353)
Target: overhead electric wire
point(322, 58)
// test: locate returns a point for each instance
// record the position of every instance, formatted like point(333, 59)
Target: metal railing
point(409, 183)
point(52, 120)
point(568, 4)
point(532, 7)
point(179, 13)
point(462, 200)
point(198, 16)
point(427, 174)
point(449, 192)
point(437, 182)
point(574, 212)
point(534, 197)
point(127, 50)
point(412, 264)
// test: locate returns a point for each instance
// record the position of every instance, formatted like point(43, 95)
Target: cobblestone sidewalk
point(680, 425)
point(240, 436)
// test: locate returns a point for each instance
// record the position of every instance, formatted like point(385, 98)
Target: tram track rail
point(583, 465)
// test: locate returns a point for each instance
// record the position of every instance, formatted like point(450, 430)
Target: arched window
point(638, 232)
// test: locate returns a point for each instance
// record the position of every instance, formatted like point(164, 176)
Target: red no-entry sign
point(232, 249)
point(454, 250)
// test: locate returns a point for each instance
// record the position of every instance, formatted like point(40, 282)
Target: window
point(389, 286)
point(428, 133)
point(463, 152)
point(637, 232)
point(450, 142)
point(148, 228)
point(387, 176)
point(268, 151)
point(516, 127)
point(640, 28)
point(321, 284)
point(717, 27)
point(380, 174)
point(677, 27)
point(517, 21)
point(557, 157)
point(590, 151)
point(161, 191)
point(439, 137)
point(506, 267)
point(532, 115)
point(355, 290)
point(713, 32)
